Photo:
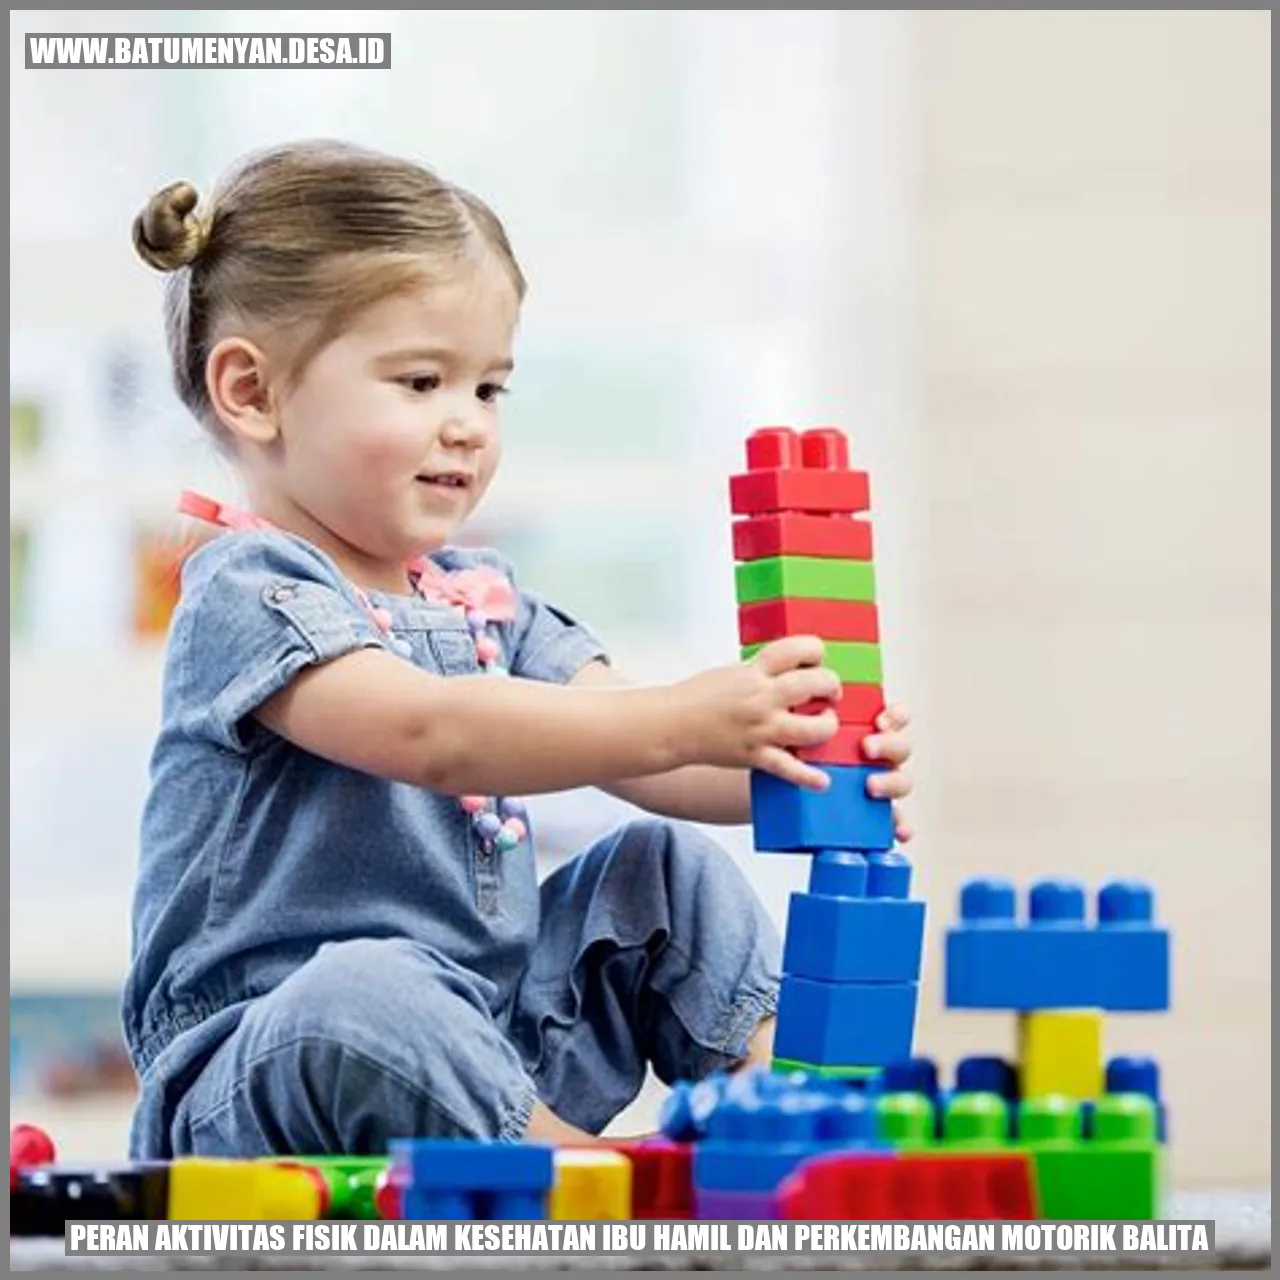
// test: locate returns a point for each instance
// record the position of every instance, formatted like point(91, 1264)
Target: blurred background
point(1023, 259)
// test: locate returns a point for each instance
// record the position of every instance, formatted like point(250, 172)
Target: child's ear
point(236, 379)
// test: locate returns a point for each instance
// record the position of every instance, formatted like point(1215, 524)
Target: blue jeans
point(652, 950)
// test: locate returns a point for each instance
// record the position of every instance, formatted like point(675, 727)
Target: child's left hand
point(892, 746)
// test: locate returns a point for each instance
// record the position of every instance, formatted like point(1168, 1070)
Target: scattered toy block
point(867, 1023)
point(1060, 1051)
point(661, 1179)
point(787, 818)
point(711, 1205)
point(1056, 959)
point(767, 620)
point(460, 1179)
point(591, 1185)
point(805, 577)
point(827, 537)
point(243, 1190)
point(29, 1147)
point(350, 1183)
point(47, 1197)
point(853, 661)
point(853, 940)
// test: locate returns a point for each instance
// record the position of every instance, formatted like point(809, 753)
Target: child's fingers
point(789, 768)
point(892, 748)
point(892, 719)
point(888, 784)
point(808, 684)
point(790, 653)
point(806, 731)
point(902, 829)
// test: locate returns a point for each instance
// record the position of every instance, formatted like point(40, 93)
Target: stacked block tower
point(853, 945)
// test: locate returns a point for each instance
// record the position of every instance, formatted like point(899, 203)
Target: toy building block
point(938, 1186)
point(661, 1179)
point(863, 1024)
point(591, 1185)
point(837, 933)
point(787, 818)
point(792, 471)
point(1060, 1051)
point(47, 1197)
point(243, 1190)
point(851, 1076)
point(805, 577)
point(29, 1147)
point(752, 1144)
point(857, 704)
point(1056, 959)
point(768, 620)
point(793, 534)
point(443, 1179)
point(350, 1183)
point(1129, 1074)
point(853, 661)
point(843, 747)
point(735, 1206)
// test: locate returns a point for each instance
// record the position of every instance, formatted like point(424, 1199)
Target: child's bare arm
point(479, 735)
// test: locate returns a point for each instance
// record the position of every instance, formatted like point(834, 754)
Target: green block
point(805, 578)
point(783, 1065)
point(352, 1182)
point(854, 661)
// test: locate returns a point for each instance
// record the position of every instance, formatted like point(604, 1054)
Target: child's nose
point(464, 429)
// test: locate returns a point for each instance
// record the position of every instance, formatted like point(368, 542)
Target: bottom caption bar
point(524, 1238)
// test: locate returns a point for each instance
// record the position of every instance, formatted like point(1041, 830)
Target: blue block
point(788, 818)
point(476, 1206)
point(1056, 958)
point(863, 1024)
point(852, 940)
point(465, 1165)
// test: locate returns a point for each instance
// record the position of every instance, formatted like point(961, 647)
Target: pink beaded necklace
point(482, 596)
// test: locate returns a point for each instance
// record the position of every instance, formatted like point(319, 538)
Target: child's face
point(391, 437)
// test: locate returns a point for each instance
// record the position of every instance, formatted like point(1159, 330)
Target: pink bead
point(473, 804)
point(516, 827)
point(487, 649)
point(383, 619)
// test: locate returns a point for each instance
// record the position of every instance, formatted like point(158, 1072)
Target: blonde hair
point(297, 240)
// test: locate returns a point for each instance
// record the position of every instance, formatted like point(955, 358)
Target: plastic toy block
point(830, 619)
point(853, 940)
point(29, 1147)
point(986, 1074)
point(950, 1186)
point(805, 577)
point(858, 704)
point(1056, 959)
point(1060, 1051)
point(853, 661)
point(791, 534)
point(868, 1023)
point(753, 1143)
point(787, 818)
point(47, 1197)
point(850, 1075)
point(661, 1179)
point(243, 1190)
point(735, 1206)
point(350, 1183)
point(1139, 1075)
point(590, 1186)
point(1116, 1174)
point(844, 747)
point(454, 1178)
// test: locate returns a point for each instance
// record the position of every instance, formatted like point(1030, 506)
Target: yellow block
point(1060, 1051)
point(590, 1186)
point(241, 1190)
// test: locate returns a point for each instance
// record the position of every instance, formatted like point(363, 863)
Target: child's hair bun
point(168, 234)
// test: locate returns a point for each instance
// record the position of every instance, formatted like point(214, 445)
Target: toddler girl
point(338, 937)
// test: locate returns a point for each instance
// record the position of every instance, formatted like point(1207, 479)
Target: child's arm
point(720, 796)
point(477, 735)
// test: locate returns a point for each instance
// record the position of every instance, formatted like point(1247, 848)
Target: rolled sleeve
point(258, 609)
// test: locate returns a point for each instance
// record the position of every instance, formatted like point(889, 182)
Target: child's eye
point(421, 382)
point(488, 392)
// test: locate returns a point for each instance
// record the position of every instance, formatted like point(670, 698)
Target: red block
point(911, 1187)
point(844, 748)
point(661, 1178)
point(859, 704)
point(29, 1148)
point(790, 534)
point(758, 492)
point(767, 620)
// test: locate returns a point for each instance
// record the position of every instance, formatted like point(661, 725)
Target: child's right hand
point(741, 716)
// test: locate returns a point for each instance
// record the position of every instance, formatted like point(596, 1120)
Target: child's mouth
point(447, 480)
